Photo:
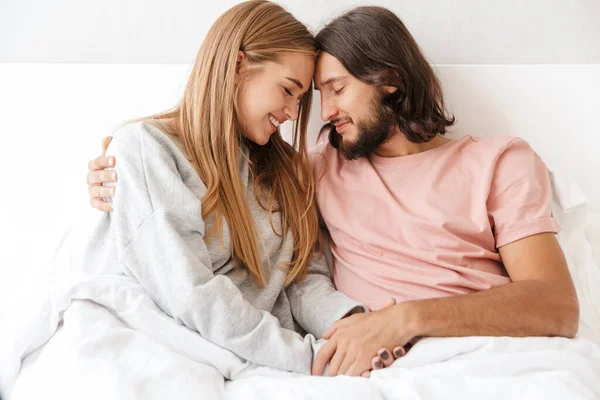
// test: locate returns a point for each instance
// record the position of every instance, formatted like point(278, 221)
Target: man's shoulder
point(492, 148)
point(491, 143)
point(506, 161)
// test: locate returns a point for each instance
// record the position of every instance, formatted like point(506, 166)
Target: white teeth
point(274, 121)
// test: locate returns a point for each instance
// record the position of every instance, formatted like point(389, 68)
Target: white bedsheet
point(112, 342)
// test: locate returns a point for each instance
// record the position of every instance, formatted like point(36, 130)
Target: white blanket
point(113, 342)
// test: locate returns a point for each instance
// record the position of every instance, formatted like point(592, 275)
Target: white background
point(161, 31)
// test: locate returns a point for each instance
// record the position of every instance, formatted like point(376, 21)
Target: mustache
point(338, 120)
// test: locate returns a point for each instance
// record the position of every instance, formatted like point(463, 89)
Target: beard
point(371, 133)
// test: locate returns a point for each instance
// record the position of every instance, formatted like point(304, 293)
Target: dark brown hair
point(375, 47)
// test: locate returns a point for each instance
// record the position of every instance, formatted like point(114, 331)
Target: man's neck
point(399, 146)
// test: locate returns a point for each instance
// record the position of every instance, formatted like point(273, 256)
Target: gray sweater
point(156, 235)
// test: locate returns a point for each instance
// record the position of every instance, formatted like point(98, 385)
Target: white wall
point(53, 118)
point(160, 31)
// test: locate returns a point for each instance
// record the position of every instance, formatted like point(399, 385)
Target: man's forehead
point(329, 70)
point(328, 63)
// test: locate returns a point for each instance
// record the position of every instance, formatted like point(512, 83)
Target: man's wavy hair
point(375, 47)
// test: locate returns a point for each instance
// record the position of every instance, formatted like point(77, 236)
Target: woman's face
point(270, 93)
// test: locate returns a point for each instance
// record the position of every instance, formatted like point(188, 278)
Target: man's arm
point(541, 301)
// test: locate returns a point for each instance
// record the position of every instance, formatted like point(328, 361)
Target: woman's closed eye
point(340, 90)
point(288, 91)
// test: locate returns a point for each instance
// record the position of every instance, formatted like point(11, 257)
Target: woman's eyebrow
point(296, 81)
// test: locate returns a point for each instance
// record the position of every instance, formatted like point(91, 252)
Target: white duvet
point(104, 338)
point(112, 342)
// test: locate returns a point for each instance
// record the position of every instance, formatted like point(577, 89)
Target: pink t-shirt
point(430, 224)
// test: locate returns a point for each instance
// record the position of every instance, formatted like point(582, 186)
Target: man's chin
point(349, 152)
point(348, 138)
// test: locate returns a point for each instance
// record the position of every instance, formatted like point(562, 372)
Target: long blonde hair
point(206, 121)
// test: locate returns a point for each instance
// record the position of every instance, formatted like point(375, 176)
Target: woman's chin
point(261, 140)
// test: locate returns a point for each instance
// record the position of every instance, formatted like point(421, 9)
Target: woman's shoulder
point(142, 136)
point(148, 141)
point(147, 154)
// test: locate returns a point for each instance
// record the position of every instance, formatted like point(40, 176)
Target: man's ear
point(389, 89)
point(395, 80)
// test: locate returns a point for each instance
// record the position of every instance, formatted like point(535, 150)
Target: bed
point(111, 340)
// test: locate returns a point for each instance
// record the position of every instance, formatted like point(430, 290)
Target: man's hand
point(97, 176)
point(354, 340)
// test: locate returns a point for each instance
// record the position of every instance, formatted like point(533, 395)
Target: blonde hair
point(206, 121)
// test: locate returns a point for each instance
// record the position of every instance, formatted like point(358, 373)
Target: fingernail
point(378, 364)
point(399, 353)
point(408, 345)
point(113, 176)
point(111, 162)
point(384, 354)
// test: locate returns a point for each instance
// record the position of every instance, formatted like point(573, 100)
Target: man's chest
point(381, 212)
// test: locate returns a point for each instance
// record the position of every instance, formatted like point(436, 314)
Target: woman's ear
point(240, 66)
point(241, 62)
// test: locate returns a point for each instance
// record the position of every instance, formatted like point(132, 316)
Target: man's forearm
point(525, 308)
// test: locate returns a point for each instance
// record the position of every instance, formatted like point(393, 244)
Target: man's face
point(354, 108)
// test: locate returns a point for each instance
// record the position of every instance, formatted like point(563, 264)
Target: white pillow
point(570, 210)
point(567, 194)
point(592, 233)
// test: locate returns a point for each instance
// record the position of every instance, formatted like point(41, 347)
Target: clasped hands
point(363, 342)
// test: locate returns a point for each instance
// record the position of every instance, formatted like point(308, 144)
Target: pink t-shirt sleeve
point(520, 199)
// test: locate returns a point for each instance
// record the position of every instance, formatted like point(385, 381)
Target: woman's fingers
point(386, 357)
point(398, 352)
point(376, 363)
point(323, 357)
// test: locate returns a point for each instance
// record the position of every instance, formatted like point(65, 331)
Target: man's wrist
point(410, 319)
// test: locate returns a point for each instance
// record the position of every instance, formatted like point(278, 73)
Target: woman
point(214, 214)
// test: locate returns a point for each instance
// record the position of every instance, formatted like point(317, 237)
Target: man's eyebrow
point(328, 81)
point(296, 81)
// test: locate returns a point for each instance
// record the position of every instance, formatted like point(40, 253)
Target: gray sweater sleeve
point(157, 220)
point(316, 304)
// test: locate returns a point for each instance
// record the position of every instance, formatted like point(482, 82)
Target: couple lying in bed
point(225, 224)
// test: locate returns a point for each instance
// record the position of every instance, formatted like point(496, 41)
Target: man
point(459, 232)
